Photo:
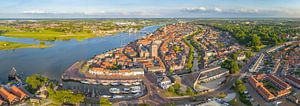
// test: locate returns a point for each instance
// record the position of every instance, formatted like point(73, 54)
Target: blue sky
point(147, 8)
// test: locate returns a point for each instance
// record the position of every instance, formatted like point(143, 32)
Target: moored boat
point(118, 96)
point(115, 83)
point(95, 83)
point(114, 90)
point(106, 96)
point(105, 83)
point(126, 90)
point(85, 82)
point(126, 83)
point(136, 89)
point(136, 83)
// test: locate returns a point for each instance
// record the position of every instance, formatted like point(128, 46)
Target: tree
point(36, 80)
point(240, 87)
point(105, 102)
point(231, 65)
point(234, 56)
point(176, 86)
point(171, 89)
point(177, 49)
point(189, 91)
point(248, 54)
point(171, 71)
point(65, 96)
point(255, 40)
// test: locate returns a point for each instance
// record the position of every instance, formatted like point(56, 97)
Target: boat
point(105, 83)
point(137, 94)
point(105, 96)
point(126, 90)
point(95, 83)
point(118, 96)
point(114, 83)
point(126, 83)
point(114, 90)
point(136, 89)
point(136, 83)
point(85, 82)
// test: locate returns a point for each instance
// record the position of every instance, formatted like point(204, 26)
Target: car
point(246, 92)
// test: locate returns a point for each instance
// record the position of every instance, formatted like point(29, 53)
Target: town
point(195, 62)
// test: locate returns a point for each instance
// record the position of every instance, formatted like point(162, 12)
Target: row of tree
point(257, 35)
point(62, 96)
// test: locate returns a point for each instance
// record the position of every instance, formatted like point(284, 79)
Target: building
point(42, 92)
point(154, 48)
point(282, 87)
point(164, 82)
point(1, 102)
point(212, 75)
point(18, 92)
point(127, 72)
point(8, 96)
point(293, 80)
point(144, 52)
point(241, 56)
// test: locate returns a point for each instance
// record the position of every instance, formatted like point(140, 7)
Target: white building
point(165, 82)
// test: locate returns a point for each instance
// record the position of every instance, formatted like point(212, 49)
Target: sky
point(149, 8)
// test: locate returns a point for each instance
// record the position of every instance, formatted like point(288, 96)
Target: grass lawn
point(4, 45)
point(170, 94)
point(49, 35)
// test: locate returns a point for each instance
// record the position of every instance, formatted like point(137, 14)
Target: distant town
point(187, 62)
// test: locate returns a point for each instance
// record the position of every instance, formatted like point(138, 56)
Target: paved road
point(195, 62)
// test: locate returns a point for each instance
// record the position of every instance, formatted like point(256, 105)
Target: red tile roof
point(17, 91)
point(6, 95)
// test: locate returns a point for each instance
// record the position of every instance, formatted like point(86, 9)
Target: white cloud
point(94, 12)
point(245, 10)
point(196, 9)
point(218, 9)
point(34, 12)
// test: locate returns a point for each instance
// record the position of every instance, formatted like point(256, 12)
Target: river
point(51, 62)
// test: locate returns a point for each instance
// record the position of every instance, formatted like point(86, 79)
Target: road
point(195, 62)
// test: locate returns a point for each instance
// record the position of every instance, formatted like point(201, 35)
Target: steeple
point(12, 74)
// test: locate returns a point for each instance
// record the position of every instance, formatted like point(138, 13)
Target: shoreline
point(7, 45)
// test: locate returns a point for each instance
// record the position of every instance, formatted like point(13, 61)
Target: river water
point(51, 62)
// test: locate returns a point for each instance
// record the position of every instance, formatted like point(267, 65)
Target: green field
point(5, 45)
point(48, 35)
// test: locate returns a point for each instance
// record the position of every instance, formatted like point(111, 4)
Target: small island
point(6, 45)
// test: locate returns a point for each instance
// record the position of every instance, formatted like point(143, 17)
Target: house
point(8, 96)
point(164, 82)
point(42, 92)
point(241, 56)
point(293, 80)
point(1, 102)
point(17, 91)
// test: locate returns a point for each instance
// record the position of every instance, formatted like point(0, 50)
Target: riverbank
point(44, 34)
point(49, 35)
point(5, 45)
